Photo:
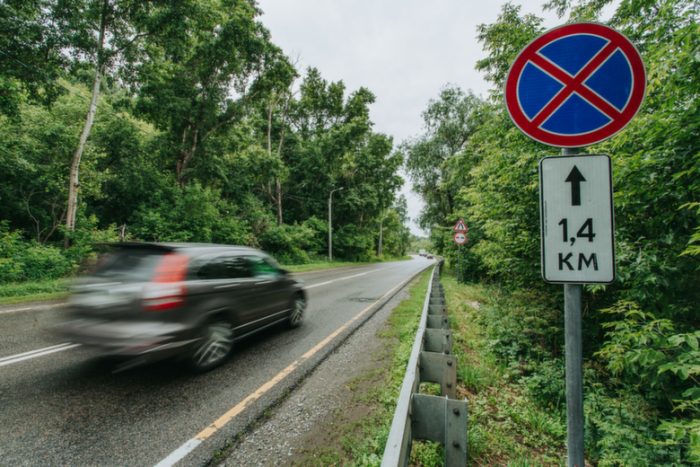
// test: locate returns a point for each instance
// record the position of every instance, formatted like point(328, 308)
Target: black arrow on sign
point(575, 178)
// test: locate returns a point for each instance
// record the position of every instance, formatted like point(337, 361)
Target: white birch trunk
point(77, 155)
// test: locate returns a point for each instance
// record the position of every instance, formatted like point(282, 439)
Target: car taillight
point(161, 297)
point(166, 290)
point(171, 268)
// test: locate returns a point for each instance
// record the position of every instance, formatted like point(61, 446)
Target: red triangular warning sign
point(461, 227)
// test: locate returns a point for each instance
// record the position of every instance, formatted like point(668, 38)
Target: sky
point(403, 51)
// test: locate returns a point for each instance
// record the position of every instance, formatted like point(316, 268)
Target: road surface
point(61, 405)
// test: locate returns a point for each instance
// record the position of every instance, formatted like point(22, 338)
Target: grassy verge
point(506, 427)
point(338, 264)
point(33, 291)
point(362, 439)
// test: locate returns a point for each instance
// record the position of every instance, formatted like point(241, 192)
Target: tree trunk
point(75, 162)
point(379, 250)
point(278, 185)
point(73, 182)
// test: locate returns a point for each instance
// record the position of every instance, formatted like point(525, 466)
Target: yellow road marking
point(225, 418)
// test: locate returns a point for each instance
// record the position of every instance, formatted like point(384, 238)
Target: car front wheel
point(298, 311)
point(214, 346)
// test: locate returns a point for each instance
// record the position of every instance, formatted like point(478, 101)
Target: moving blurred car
point(151, 301)
point(430, 256)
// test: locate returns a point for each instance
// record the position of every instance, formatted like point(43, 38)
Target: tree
point(30, 53)
point(101, 34)
point(197, 85)
point(449, 122)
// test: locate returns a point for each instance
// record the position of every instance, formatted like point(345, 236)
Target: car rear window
point(131, 265)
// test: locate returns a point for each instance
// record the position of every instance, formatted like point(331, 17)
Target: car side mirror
point(284, 272)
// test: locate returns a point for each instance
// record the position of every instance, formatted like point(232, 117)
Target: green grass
point(338, 264)
point(20, 292)
point(506, 427)
point(363, 441)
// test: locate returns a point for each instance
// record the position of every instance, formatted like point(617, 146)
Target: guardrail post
point(437, 301)
point(441, 420)
point(420, 416)
point(439, 368)
point(438, 340)
point(438, 322)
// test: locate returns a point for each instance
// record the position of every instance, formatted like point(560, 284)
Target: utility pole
point(330, 234)
point(381, 221)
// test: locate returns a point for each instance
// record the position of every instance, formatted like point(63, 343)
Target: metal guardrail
point(419, 416)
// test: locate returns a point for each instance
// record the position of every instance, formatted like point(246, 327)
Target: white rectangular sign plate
point(577, 223)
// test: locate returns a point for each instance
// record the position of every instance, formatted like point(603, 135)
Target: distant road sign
point(576, 216)
point(575, 85)
point(461, 227)
point(460, 238)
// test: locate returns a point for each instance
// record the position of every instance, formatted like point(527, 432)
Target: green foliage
point(508, 420)
point(191, 214)
point(289, 243)
point(49, 288)
point(640, 335)
point(22, 261)
point(183, 149)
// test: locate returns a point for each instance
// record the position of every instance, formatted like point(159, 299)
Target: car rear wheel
point(297, 314)
point(214, 347)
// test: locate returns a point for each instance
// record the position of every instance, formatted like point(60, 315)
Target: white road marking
point(36, 353)
point(181, 452)
point(33, 351)
point(32, 308)
point(17, 309)
point(342, 279)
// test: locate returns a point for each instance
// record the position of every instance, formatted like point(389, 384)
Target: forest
point(640, 334)
point(180, 121)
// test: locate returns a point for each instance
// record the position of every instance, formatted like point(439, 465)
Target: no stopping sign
point(575, 85)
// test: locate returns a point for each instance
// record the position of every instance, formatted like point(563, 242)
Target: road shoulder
point(330, 404)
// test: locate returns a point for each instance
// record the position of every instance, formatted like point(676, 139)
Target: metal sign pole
point(459, 260)
point(574, 366)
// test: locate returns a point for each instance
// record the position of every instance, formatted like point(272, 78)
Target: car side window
point(225, 267)
point(262, 268)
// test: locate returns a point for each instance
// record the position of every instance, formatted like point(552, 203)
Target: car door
point(274, 300)
point(224, 282)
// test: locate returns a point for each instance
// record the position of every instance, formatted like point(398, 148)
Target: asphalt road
point(63, 406)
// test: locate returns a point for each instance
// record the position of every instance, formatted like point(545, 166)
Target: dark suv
point(150, 301)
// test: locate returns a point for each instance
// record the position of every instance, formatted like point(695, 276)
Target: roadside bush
point(191, 214)
point(288, 242)
point(21, 261)
point(547, 384)
point(352, 244)
point(43, 262)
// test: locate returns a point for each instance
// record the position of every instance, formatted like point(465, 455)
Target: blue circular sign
point(575, 85)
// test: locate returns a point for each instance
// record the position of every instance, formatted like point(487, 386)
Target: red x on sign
point(575, 85)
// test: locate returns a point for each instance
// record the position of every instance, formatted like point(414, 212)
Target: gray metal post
point(459, 261)
point(574, 367)
point(381, 221)
point(574, 374)
point(330, 235)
